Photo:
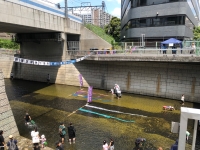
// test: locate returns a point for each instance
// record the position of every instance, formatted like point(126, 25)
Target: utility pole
point(66, 11)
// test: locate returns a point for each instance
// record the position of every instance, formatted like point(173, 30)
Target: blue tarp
point(171, 40)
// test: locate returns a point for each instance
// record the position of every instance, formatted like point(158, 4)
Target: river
point(106, 117)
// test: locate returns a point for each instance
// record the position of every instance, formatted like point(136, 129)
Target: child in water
point(43, 140)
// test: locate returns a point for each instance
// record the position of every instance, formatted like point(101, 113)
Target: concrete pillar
point(182, 133)
point(64, 37)
point(194, 134)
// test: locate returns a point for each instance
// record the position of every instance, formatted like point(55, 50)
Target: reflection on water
point(106, 117)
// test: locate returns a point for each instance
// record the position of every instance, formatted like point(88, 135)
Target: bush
point(8, 44)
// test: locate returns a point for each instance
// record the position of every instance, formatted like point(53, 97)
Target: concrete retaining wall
point(6, 65)
point(91, 40)
point(168, 80)
point(7, 121)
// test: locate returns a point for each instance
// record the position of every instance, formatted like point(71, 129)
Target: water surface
point(122, 120)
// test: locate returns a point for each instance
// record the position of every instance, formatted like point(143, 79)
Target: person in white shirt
point(193, 48)
point(182, 99)
point(117, 91)
point(187, 135)
point(35, 138)
point(105, 145)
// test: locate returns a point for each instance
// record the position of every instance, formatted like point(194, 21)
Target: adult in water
point(27, 118)
point(117, 91)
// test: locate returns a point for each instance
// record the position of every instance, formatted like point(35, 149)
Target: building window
point(159, 21)
point(127, 9)
point(139, 3)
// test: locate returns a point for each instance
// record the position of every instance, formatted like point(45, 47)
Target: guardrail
point(141, 52)
point(129, 52)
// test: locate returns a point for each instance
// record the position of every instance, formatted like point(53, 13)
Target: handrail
point(128, 52)
point(131, 52)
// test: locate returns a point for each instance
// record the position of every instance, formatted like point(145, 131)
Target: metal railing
point(139, 52)
point(128, 52)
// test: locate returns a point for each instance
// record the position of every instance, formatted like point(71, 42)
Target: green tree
point(196, 32)
point(113, 28)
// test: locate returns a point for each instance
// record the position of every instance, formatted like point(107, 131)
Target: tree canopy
point(113, 28)
point(196, 32)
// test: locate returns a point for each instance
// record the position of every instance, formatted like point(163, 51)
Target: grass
point(8, 44)
point(100, 32)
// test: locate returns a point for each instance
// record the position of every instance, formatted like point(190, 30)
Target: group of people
point(71, 133)
point(174, 49)
point(11, 144)
point(36, 139)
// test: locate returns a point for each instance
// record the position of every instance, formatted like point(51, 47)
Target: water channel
point(106, 117)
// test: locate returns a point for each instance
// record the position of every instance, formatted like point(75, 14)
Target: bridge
point(28, 16)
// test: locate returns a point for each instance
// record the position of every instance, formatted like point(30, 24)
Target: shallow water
point(123, 120)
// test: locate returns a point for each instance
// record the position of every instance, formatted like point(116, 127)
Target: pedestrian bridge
point(33, 16)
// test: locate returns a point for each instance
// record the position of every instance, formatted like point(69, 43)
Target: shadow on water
point(17, 88)
point(106, 117)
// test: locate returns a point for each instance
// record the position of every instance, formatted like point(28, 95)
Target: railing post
point(197, 49)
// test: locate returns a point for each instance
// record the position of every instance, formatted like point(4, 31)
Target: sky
point(113, 7)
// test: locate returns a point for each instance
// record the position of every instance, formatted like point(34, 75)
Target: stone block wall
point(160, 79)
point(7, 120)
point(6, 65)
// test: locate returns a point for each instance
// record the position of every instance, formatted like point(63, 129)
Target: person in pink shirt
point(105, 145)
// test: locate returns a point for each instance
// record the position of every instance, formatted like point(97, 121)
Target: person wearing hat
point(59, 146)
point(43, 140)
point(12, 143)
point(2, 142)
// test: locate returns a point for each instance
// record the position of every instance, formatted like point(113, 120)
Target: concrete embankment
point(160, 79)
point(7, 120)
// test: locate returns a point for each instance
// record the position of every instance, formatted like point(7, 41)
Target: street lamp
point(124, 42)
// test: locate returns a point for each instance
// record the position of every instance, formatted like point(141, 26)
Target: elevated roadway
point(32, 16)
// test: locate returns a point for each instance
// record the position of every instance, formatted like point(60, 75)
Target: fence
point(137, 51)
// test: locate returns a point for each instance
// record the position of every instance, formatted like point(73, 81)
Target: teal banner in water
point(103, 115)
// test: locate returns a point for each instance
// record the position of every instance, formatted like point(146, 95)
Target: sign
point(89, 98)
point(171, 44)
point(80, 79)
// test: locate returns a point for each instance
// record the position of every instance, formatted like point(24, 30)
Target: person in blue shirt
point(62, 132)
point(12, 143)
point(175, 146)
